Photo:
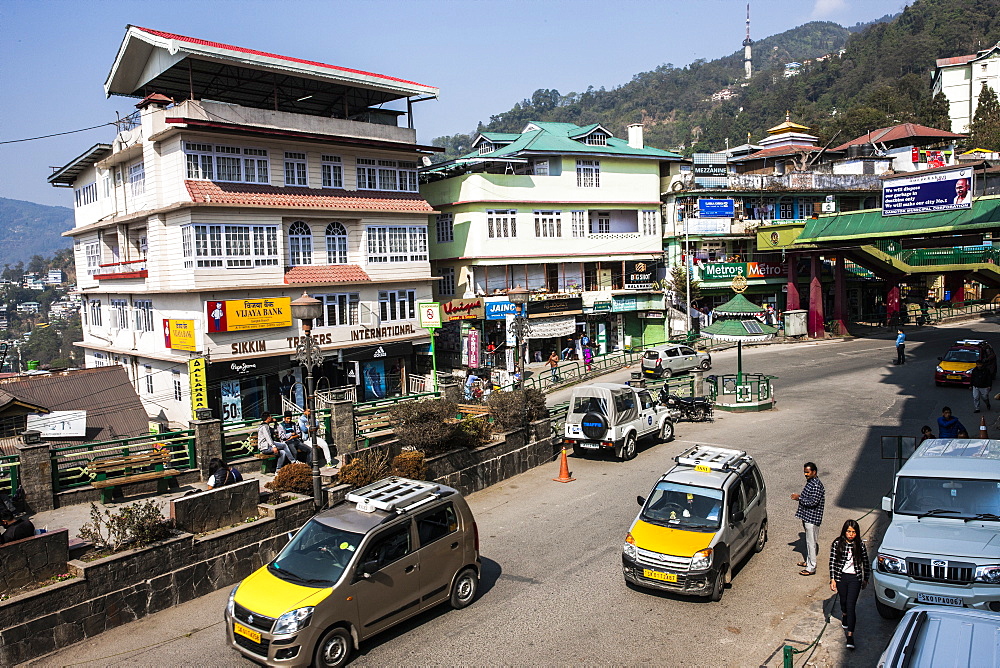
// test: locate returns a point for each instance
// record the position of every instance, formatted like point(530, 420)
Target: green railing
point(731, 389)
point(392, 401)
point(69, 463)
point(909, 314)
point(568, 373)
point(9, 473)
point(929, 257)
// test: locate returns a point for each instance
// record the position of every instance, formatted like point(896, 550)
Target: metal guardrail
point(755, 387)
point(929, 257)
point(9, 474)
point(69, 463)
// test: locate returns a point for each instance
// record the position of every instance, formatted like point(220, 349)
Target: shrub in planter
point(515, 409)
point(471, 433)
point(295, 477)
point(427, 425)
point(134, 525)
point(365, 467)
point(409, 464)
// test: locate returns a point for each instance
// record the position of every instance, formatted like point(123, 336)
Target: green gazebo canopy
point(738, 305)
point(729, 327)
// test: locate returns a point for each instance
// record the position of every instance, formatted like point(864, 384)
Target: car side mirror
point(641, 500)
point(887, 504)
point(738, 516)
point(291, 535)
point(367, 568)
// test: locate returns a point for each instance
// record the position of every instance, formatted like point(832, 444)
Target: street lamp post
point(306, 309)
point(519, 298)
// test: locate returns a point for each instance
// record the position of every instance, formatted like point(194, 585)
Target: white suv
point(673, 358)
point(611, 417)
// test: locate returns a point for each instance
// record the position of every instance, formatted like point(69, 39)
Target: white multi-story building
point(244, 179)
point(961, 79)
point(570, 213)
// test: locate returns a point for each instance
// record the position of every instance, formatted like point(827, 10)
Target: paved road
point(552, 588)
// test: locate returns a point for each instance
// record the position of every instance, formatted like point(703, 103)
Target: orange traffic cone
point(564, 469)
point(982, 427)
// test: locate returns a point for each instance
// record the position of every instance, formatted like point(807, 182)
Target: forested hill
point(883, 77)
point(28, 229)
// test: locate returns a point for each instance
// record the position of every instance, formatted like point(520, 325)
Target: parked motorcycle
point(692, 409)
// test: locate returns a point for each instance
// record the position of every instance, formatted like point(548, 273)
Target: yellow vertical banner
point(199, 384)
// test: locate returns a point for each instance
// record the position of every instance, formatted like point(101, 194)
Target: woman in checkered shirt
point(850, 572)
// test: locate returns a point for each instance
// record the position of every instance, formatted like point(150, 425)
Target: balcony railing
point(125, 269)
point(929, 257)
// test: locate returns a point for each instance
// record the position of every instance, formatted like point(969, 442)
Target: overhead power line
point(57, 134)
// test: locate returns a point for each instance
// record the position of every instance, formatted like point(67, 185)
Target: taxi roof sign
point(393, 494)
point(707, 458)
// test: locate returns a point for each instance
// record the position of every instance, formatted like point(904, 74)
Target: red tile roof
point(331, 273)
point(775, 151)
point(246, 194)
point(955, 60)
point(240, 49)
point(900, 132)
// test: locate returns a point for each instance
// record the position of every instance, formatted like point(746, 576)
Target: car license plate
point(657, 575)
point(954, 377)
point(241, 630)
point(934, 599)
point(591, 446)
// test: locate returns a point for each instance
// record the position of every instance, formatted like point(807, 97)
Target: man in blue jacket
point(949, 425)
point(900, 347)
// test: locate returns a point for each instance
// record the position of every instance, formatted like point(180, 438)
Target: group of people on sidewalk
point(850, 569)
point(289, 440)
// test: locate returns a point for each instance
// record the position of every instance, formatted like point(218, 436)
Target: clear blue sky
point(484, 55)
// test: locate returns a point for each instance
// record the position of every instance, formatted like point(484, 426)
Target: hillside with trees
point(28, 229)
point(850, 82)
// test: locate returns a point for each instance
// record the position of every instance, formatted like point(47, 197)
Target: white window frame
point(178, 386)
point(395, 305)
point(100, 359)
point(446, 286)
point(300, 246)
point(336, 243)
point(540, 167)
point(548, 224)
point(588, 173)
point(137, 179)
point(445, 227)
point(92, 251)
point(86, 194)
point(486, 147)
point(501, 223)
point(149, 379)
point(601, 222)
point(332, 169)
point(143, 309)
point(340, 309)
point(579, 223)
point(596, 138)
point(391, 243)
point(226, 164)
point(119, 314)
point(95, 313)
point(209, 246)
point(650, 222)
point(296, 169)
point(387, 175)
point(366, 173)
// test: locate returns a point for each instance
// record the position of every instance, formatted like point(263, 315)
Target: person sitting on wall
point(307, 433)
point(289, 433)
point(268, 446)
point(222, 474)
point(15, 528)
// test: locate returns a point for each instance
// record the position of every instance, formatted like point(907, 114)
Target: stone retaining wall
point(123, 587)
point(216, 508)
point(34, 559)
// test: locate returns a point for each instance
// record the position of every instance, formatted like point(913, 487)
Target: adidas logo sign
point(379, 352)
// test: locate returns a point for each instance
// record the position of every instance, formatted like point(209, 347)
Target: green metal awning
point(871, 224)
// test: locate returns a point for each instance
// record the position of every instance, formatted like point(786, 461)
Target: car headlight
point(890, 564)
point(629, 547)
point(293, 621)
point(702, 560)
point(939, 369)
point(988, 574)
point(232, 601)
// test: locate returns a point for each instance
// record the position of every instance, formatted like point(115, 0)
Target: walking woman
point(850, 572)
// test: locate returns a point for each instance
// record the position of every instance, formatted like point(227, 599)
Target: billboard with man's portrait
point(925, 193)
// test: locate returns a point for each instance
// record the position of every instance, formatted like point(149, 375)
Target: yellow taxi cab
point(391, 550)
point(701, 518)
point(956, 365)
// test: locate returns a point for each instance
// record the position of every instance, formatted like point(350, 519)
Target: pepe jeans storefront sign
point(727, 271)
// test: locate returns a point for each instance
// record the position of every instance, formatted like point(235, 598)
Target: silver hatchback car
point(673, 358)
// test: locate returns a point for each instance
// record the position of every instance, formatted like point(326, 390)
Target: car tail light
point(658, 361)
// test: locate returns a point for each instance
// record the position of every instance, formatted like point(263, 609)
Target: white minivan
point(942, 546)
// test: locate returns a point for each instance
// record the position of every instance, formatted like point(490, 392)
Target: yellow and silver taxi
point(391, 550)
point(701, 518)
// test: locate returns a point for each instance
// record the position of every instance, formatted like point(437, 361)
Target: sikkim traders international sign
point(236, 315)
point(946, 190)
point(727, 271)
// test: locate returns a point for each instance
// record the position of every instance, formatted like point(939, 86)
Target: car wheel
point(706, 365)
point(628, 448)
point(463, 592)
point(719, 587)
point(887, 611)
point(667, 373)
point(334, 648)
point(667, 432)
point(761, 538)
point(578, 451)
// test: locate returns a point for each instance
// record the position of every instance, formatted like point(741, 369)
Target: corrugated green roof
point(735, 329)
point(985, 213)
point(555, 138)
point(738, 305)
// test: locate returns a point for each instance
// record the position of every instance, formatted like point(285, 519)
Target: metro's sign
point(723, 271)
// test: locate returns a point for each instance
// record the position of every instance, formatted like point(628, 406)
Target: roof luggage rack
point(711, 458)
point(393, 494)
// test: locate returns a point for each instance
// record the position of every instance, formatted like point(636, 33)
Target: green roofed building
point(572, 213)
